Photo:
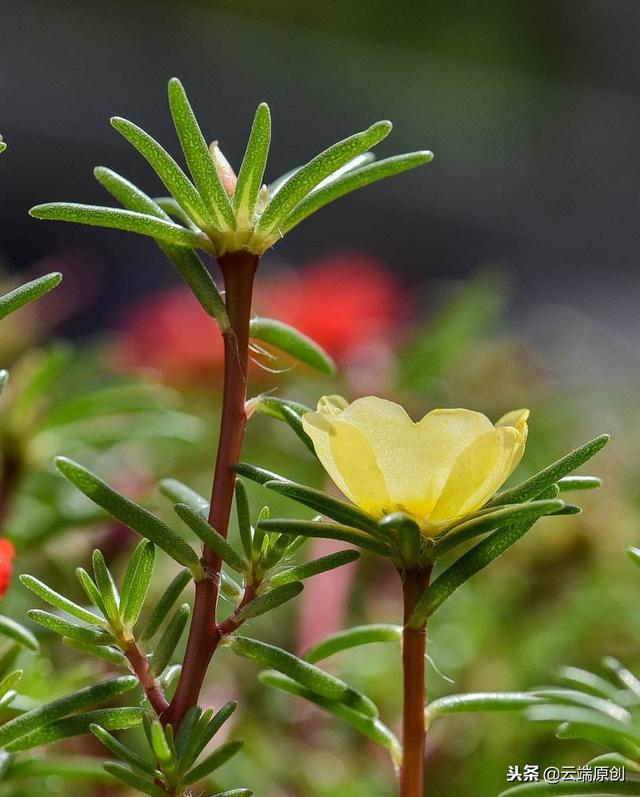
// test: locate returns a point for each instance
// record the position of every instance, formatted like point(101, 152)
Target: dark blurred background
point(532, 110)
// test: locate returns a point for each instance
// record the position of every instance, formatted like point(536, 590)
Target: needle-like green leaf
point(176, 181)
point(186, 261)
point(44, 715)
point(133, 779)
point(331, 531)
point(244, 518)
point(169, 639)
point(533, 486)
point(120, 750)
point(165, 604)
point(307, 177)
point(199, 158)
point(253, 165)
point(136, 582)
point(293, 342)
point(131, 514)
point(315, 567)
point(337, 510)
point(213, 761)
point(351, 638)
point(351, 181)
point(211, 537)
point(371, 727)
point(18, 633)
point(27, 293)
point(107, 588)
point(59, 601)
point(481, 701)
point(466, 566)
point(270, 600)
point(178, 493)
point(118, 219)
point(315, 679)
point(89, 634)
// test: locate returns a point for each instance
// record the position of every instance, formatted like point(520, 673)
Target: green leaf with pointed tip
point(290, 340)
point(169, 639)
point(176, 181)
point(491, 520)
point(107, 588)
point(4, 378)
point(78, 725)
point(481, 701)
point(253, 165)
point(186, 261)
point(273, 407)
point(131, 514)
point(371, 727)
point(104, 652)
point(165, 604)
point(18, 633)
point(331, 531)
point(233, 793)
point(119, 750)
point(54, 598)
point(626, 677)
point(352, 180)
point(244, 518)
point(44, 715)
point(117, 219)
point(9, 681)
point(256, 474)
point(89, 634)
point(199, 158)
point(351, 638)
point(634, 554)
point(179, 493)
point(205, 729)
point(134, 780)
point(621, 736)
point(90, 589)
point(534, 485)
point(465, 567)
point(270, 600)
point(213, 761)
point(296, 188)
point(315, 679)
point(588, 682)
point(136, 583)
point(575, 697)
point(211, 537)
point(579, 483)
point(28, 293)
point(159, 744)
point(315, 567)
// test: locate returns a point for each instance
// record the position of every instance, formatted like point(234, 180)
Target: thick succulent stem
point(238, 269)
point(413, 667)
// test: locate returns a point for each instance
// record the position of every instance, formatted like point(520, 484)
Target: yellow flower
point(443, 467)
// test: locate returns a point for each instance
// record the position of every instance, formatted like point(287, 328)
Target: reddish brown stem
point(149, 683)
point(238, 269)
point(413, 668)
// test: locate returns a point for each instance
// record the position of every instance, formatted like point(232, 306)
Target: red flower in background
point(7, 553)
point(343, 302)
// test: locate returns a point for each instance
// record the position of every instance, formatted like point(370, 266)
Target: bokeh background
point(501, 275)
